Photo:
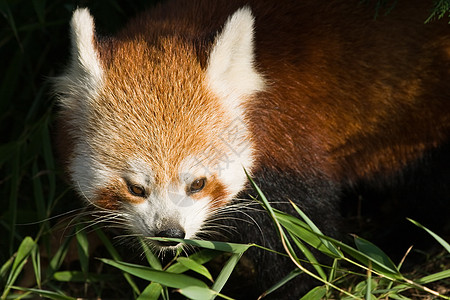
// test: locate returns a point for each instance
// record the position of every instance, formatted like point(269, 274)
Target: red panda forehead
point(155, 105)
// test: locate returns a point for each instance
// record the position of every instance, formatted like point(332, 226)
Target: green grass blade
point(434, 235)
point(196, 292)
point(309, 256)
point(77, 276)
point(5, 268)
point(302, 231)
point(434, 277)
point(23, 252)
point(36, 259)
point(368, 293)
point(195, 266)
point(374, 253)
point(151, 292)
point(334, 267)
point(201, 257)
point(83, 249)
point(315, 229)
point(115, 255)
point(294, 273)
point(44, 293)
point(221, 246)
point(316, 293)
point(153, 261)
point(225, 273)
point(47, 149)
point(58, 257)
point(173, 280)
point(398, 297)
point(13, 197)
point(38, 193)
point(365, 260)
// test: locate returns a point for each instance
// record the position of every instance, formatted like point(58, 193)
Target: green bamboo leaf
point(14, 196)
point(151, 292)
point(332, 274)
point(316, 293)
point(434, 235)
point(5, 268)
point(226, 272)
point(195, 266)
point(201, 257)
point(58, 257)
point(36, 259)
point(70, 276)
point(173, 280)
point(434, 277)
point(309, 256)
point(374, 253)
point(44, 293)
point(196, 292)
point(47, 149)
point(302, 230)
point(365, 259)
point(153, 261)
point(398, 297)
point(315, 229)
point(263, 199)
point(38, 192)
point(23, 252)
point(294, 273)
point(77, 276)
point(83, 249)
point(221, 246)
point(368, 292)
point(115, 255)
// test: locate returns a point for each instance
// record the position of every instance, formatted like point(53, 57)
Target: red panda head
point(151, 134)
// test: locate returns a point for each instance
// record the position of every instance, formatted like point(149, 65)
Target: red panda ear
point(83, 77)
point(231, 72)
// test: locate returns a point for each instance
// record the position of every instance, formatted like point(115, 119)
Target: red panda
point(159, 122)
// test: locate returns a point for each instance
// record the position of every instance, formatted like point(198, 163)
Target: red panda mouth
point(172, 232)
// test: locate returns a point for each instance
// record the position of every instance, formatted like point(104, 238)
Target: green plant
point(34, 45)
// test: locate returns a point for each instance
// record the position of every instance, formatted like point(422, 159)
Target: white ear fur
point(84, 53)
point(231, 73)
point(84, 75)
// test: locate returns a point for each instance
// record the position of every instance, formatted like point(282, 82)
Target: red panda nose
point(175, 232)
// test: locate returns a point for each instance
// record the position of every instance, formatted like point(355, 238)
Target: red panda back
point(349, 95)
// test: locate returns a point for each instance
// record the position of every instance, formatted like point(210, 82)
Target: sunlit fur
point(311, 98)
point(182, 123)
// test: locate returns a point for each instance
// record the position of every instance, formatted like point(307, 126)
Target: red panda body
point(310, 97)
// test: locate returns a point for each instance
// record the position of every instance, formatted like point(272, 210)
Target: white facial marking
point(168, 204)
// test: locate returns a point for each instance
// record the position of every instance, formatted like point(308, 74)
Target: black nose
point(171, 233)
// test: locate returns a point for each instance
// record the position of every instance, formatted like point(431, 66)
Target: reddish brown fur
point(355, 96)
point(166, 138)
point(349, 96)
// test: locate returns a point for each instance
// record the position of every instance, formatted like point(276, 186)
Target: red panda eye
point(136, 190)
point(197, 185)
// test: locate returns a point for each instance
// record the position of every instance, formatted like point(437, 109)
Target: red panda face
point(154, 137)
